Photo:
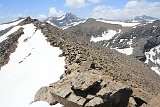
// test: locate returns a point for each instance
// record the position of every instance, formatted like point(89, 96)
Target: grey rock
point(43, 94)
point(82, 89)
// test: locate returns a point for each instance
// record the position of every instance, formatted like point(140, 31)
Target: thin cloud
point(130, 10)
point(95, 1)
point(53, 12)
point(75, 4)
point(41, 17)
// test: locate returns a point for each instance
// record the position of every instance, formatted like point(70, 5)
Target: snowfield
point(127, 51)
point(5, 36)
point(105, 36)
point(151, 55)
point(109, 35)
point(4, 26)
point(73, 24)
point(124, 24)
point(33, 64)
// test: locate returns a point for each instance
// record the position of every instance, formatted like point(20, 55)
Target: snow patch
point(5, 36)
point(19, 82)
point(127, 51)
point(121, 40)
point(156, 69)
point(152, 56)
point(73, 24)
point(105, 36)
point(51, 23)
point(61, 18)
point(124, 24)
point(77, 23)
point(4, 26)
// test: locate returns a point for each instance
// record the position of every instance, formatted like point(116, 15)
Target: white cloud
point(106, 12)
point(76, 4)
point(41, 17)
point(130, 10)
point(95, 1)
point(53, 12)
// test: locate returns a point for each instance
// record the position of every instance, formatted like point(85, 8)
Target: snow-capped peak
point(144, 18)
point(64, 20)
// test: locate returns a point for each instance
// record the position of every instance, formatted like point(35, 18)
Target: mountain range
point(73, 62)
point(70, 19)
point(144, 18)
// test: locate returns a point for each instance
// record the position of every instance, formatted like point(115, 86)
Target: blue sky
point(108, 9)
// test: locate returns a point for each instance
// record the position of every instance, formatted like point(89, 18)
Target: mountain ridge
point(88, 58)
point(69, 18)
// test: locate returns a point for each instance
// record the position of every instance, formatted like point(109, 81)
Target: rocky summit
point(93, 75)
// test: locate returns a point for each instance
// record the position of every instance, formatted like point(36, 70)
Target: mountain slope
point(34, 58)
point(128, 38)
point(38, 64)
point(138, 42)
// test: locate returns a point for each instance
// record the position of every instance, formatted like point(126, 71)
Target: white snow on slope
point(124, 24)
point(151, 56)
point(4, 26)
point(105, 36)
point(127, 51)
point(5, 36)
point(156, 69)
point(34, 64)
point(51, 23)
point(109, 35)
point(61, 18)
point(73, 24)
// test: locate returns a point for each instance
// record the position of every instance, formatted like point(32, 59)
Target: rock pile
point(86, 90)
point(87, 66)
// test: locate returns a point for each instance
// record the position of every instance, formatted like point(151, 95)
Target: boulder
point(43, 94)
point(90, 90)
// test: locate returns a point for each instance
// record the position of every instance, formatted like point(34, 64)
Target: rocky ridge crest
point(84, 58)
point(96, 76)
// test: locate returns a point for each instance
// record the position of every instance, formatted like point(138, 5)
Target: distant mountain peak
point(64, 20)
point(70, 14)
point(144, 18)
